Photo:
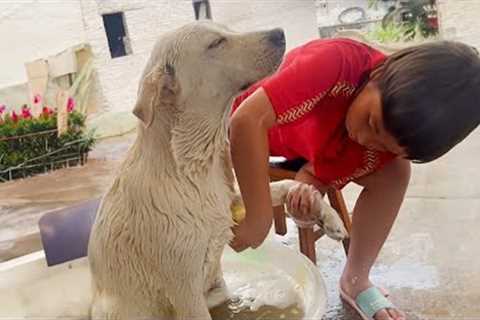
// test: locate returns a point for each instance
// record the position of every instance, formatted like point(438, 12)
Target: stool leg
point(338, 203)
point(280, 220)
point(307, 243)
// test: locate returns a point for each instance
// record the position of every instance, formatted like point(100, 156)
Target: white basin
point(29, 289)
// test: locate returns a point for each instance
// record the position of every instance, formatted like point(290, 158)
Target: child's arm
point(306, 175)
point(249, 147)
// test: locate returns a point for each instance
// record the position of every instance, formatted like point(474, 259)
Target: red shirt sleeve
point(306, 79)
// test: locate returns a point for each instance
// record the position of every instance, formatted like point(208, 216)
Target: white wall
point(147, 19)
point(297, 17)
point(460, 20)
point(31, 29)
point(35, 29)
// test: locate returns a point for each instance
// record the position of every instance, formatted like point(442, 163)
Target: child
point(354, 115)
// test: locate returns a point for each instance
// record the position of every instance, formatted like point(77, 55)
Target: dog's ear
point(156, 87)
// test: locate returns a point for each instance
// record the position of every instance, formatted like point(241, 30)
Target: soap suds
point(255, 285)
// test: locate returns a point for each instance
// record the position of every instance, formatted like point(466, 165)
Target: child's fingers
point(296, 203)
point(238, 246)
point(299, 202)
point(306, 202)
point(293, 200)
point(288, 200)
point(304, 206)
point(240, 237)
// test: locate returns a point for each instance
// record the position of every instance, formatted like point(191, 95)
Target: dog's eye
point(217, 43)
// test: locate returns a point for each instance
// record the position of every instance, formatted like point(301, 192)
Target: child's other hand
point(299, 201)
point(249, 235)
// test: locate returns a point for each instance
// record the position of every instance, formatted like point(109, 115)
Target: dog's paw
point(217, 295)
point(333, 227)
point(280, 189)
point(328, 219)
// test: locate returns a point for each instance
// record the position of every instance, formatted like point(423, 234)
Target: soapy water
point(259, 291)
point(234, 310)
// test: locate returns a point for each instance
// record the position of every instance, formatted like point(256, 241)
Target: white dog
point(157, 241)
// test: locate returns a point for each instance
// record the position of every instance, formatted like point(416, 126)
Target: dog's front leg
point(279, 191)
point(187, 298)
point(326, 216)
point(218, 294)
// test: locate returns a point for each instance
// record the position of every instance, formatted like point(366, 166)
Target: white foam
point(256, 285)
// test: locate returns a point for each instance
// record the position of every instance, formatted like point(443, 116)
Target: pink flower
point(2, 108)
point(37, 98)
point(70, 104)
point(14, 116)
point(26, 114)
point(47, 112)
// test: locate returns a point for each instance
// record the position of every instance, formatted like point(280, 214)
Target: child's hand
point(249, 235)
point(299, 201)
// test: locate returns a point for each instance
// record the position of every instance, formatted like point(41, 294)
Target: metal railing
point(70, 154)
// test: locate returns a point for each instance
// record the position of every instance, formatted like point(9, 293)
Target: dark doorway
point(114, 24)
point(202, 9)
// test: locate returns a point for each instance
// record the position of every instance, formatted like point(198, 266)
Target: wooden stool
point(307, 236)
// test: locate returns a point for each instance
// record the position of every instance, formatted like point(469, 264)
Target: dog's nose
point(277, 37)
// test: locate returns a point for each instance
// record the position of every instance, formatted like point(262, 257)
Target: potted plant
point(30, 145)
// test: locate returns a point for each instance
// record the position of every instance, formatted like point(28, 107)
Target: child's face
point(364, 122)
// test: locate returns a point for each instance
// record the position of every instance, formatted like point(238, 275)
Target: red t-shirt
point(310, 94)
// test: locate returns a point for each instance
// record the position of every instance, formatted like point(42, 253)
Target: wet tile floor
point(430, 263)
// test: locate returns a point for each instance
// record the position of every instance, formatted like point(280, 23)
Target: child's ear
point(375, 74)
point(157, 87)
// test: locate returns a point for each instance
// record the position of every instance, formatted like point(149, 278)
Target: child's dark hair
point(430, 97)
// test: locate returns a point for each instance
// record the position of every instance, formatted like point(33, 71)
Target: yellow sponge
point(238, 212)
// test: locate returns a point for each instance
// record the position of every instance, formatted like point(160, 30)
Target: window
point(202, 9)
point(115, 28)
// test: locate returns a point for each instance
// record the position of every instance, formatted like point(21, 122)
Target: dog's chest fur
point(144, 209)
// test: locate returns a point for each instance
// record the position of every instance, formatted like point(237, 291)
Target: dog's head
point(202, 66)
